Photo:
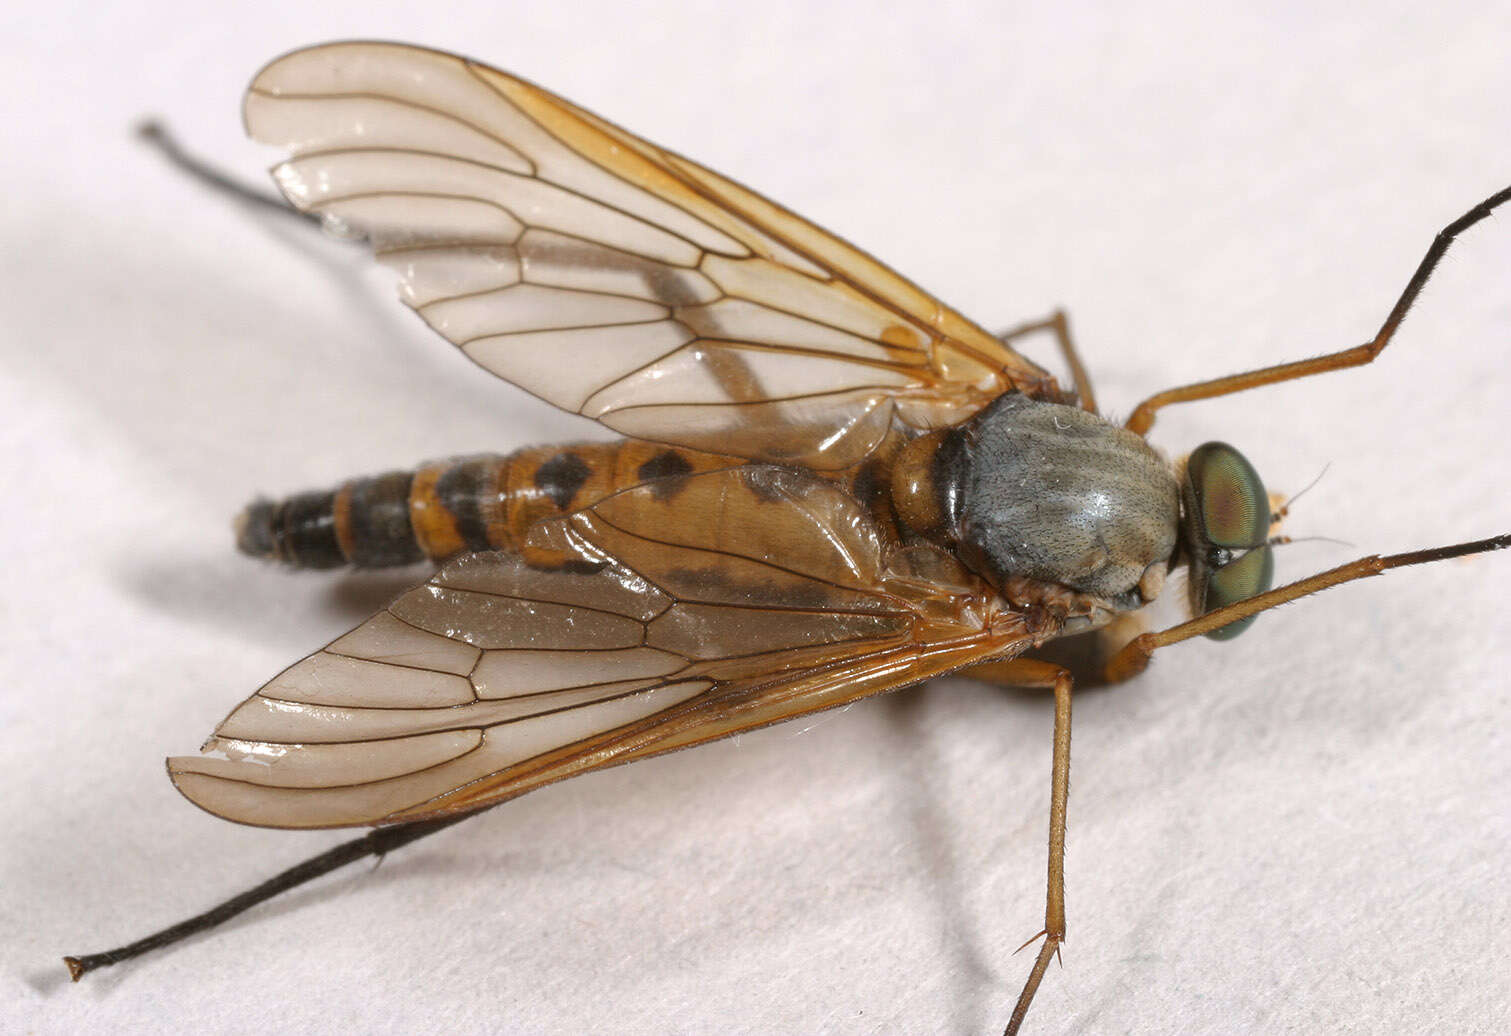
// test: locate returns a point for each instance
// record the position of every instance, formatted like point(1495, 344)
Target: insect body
point(835, 486)
point(1023, 488)
point(452, 507)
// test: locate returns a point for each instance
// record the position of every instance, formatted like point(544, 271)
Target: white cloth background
point(1304, 830)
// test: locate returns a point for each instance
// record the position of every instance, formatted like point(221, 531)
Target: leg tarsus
point(1051, 948)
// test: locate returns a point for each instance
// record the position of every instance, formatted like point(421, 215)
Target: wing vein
point(811, 351)
point(483, 292)
point(743, 557)
point(766, 401)
point(536, 176)
point(637, 188)
point(401, 102)
point(349, 784)
point(464, 342)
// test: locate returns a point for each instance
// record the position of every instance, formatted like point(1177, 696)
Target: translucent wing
point(611, 277)
point(660, 618)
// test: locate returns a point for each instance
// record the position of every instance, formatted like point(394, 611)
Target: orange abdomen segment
point(486, 502)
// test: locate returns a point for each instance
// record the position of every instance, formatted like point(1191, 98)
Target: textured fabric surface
point(1303, 830)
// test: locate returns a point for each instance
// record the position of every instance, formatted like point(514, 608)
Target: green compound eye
point(1227, 512)
point(1232, 504)
point(1252, 574)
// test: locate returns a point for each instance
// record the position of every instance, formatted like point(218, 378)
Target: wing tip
point(201, 788)
point(262, 80)
point(270, 80)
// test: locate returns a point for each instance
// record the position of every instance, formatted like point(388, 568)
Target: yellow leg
point(1130, 661)
point(1059, 323)
point(1143, 415)
point(1135, 655)
point(1030, 672)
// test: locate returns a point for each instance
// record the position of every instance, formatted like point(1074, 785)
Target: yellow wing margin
point(609, 276)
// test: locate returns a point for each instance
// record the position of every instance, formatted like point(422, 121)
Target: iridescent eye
point(1232, 504)
point(1227, 513)
point(1254, 573)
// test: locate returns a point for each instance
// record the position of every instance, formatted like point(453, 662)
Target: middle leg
point(1030, 672)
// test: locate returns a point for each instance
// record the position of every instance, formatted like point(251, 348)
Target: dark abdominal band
point(364, 523)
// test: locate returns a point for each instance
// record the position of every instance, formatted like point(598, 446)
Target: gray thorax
point(1057, 494)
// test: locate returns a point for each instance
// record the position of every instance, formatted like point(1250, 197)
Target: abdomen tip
point(254, 529)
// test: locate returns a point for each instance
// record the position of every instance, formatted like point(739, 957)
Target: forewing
point(664, 616)
point(611, 277)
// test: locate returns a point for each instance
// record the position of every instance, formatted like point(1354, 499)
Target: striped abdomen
point(486, 502)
